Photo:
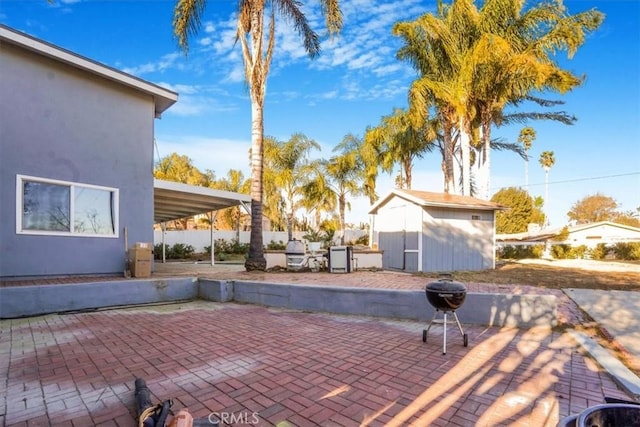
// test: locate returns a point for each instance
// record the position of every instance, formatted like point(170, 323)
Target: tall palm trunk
point(465, 151)
point(546, 194)
point(485, 160)
point(342, 203)
point(256, 72)
point(408, 172)
point(256, 259)
point(447, 164)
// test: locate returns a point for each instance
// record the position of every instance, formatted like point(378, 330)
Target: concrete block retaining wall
point(479, 308)
point(24, 301)
point(483, 309)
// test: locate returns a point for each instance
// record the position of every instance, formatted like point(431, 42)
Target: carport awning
point(174, 200)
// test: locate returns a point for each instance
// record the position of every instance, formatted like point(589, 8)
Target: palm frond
point(524, 117)
point(499, 144)
point(290, 10)
point(187, 20)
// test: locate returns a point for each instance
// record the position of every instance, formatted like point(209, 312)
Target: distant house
point(76, 157)
point(420, 231)
point(589, 235)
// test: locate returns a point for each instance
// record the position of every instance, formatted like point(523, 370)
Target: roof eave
point(163, 98)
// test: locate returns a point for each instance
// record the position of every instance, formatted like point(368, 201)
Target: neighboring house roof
point(582, 227)
point(542, 235)
point(426, 198)
point(174, 200)
point(538, 236)
point(163, 98)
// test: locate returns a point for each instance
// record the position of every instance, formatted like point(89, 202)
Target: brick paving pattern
point(271, 367)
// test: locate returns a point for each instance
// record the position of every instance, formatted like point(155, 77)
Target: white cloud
point(363, 53)
point(166, 62)
point(209, 27)
point(330, 95)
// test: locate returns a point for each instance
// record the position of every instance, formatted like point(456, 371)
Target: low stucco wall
point(481, 309)
point(24, 301)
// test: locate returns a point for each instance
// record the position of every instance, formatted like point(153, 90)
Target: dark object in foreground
point(445, 295)
point(615, 413)
point(150, 415)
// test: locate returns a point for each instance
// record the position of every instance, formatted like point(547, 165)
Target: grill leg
point(433, 319)
point(444, 341)
point(455, 316)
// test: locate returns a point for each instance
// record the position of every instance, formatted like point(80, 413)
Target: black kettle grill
point(445, 296)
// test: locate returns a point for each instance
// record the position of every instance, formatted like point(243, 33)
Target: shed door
point(411, 251)
point(392, 244)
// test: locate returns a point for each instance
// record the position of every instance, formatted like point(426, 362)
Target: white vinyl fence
point(201, 238)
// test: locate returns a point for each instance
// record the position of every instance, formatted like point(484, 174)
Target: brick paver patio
point(286, 368)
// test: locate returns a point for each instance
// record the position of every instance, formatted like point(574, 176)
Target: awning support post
point(212, 219)
point(163, 226)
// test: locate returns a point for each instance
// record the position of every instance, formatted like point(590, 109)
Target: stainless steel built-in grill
point(295, 254)
point(445, 296)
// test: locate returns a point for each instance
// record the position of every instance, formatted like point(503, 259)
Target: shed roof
point(427, 198)
point(163, 98)
point(174, 200)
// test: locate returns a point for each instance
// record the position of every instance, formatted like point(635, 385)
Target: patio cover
point(174, 200)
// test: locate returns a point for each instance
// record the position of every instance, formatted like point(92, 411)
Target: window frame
point(115, 208)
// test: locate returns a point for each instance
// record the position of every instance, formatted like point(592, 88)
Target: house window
point(53, 207)
point(475, 217)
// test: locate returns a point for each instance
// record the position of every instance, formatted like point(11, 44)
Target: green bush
point(157, 250)
point(560, 251)
point(519, 252)
point(276, 246)
point(232, 247)
point(599, 252)
point(177, 251)
point(627, 251)
point(181, 251)
point(363, 240)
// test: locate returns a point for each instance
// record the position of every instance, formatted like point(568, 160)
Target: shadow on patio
point(288, 368)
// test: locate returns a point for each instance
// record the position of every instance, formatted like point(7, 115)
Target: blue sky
point(351, 85)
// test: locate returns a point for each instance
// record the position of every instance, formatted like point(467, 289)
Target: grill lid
point(294, 247)
point(445, 294)
point(446, 285)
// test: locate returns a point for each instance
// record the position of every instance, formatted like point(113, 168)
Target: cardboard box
point(140, 259)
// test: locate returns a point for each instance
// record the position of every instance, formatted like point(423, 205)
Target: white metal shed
point(420, 231)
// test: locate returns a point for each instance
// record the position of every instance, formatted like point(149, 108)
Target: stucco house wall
point(421, 231)
point(62, 123)
point(590, 235)
point(602, 232)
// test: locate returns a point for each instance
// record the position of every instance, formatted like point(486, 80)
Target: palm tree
point(547, 160)
point(257, 51)
point(289, 166)
point(235, 182)
point(400, 138)
point(518, 49)
point(472, 63)
point(341, 177)
point(526, 138)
